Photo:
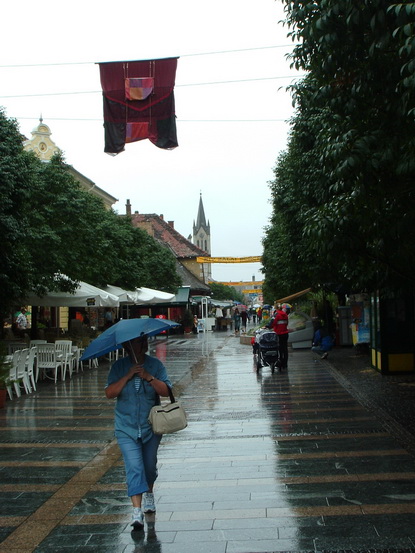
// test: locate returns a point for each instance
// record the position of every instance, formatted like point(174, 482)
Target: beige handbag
point(167, 418)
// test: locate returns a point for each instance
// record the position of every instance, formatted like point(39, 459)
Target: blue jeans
point(319, 349)
point(140, 460)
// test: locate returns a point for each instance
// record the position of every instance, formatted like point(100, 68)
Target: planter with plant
point(187, 321)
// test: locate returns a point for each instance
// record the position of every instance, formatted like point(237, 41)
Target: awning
point(182, 295)
point(140, 296)
point(84, 295)
point(293, 296)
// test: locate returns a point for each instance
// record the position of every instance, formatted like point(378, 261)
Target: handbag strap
point(171, 396)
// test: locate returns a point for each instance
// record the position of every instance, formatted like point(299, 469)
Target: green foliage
point(50, 225)
point(347, 176)
point(222, 292)
point(16, 177)
point(187, 321)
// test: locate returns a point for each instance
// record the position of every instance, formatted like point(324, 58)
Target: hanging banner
point(138, 101)
point(253, 291)
point(256, 259)
point(245, 283)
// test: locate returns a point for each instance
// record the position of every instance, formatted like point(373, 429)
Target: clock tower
point(41, 143)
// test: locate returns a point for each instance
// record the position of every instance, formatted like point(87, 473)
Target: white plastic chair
point(16, 346)
point(30, 367)
point(12, 381)
point(47, 360)
point(36, 342)
point(64, 350)
point(22, 376)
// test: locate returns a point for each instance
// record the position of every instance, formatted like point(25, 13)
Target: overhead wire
point(177, 85)
point(95, 119)
point(181, 56)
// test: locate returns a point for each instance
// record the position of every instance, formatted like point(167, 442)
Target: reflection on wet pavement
point(269, 462)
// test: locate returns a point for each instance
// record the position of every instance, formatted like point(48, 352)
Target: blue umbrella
point(123, 331)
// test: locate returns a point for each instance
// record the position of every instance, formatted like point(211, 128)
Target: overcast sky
point(230, 133)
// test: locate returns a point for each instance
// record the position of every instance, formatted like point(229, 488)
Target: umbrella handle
point(133, 352)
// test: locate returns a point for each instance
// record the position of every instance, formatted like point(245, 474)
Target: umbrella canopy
point(85, 295)
point(123, 331)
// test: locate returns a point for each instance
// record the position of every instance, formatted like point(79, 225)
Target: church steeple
point(201, 220)
point(201, 235)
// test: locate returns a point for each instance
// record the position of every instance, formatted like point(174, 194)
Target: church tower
point(41, 143)
point(201, 236)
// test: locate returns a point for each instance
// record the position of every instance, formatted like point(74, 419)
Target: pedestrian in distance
point(21, 321)
point(322, 342)
point(244, 319)
point(237, 321)
point(108, 318)
point(259, 315)
point(280, 327)
point(137, 381)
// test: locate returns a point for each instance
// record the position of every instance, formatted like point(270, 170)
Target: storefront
point(392, 337)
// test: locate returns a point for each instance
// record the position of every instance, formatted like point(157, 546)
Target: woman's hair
point(127, 345)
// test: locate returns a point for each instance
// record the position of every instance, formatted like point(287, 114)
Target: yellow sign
point(253, 291)
point(254, 259)
point(245, 283)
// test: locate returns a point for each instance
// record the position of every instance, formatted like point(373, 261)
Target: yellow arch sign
point(254, 259)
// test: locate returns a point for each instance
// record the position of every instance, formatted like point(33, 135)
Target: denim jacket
point(133, 406)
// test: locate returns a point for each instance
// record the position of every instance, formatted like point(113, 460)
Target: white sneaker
point(148, 503)
point(137, 519)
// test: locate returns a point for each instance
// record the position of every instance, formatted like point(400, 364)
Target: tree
point(222, 292)
point(16, 176)
point(75, 235)
point(51, 227)
point(350, 157)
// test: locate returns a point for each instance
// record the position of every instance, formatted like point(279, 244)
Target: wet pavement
point(318, 458)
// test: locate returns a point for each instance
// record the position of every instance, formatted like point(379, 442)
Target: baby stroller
point(266, 349)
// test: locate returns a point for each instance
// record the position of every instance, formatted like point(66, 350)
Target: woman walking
point(137, 381)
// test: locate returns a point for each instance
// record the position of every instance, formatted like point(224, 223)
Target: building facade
point(193, 274)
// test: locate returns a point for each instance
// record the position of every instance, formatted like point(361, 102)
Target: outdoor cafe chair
point(22, 376)
point(47, 360)
point(12, 381)
point(30, 367)
point(36, 342)
point(16, 346)
point(64, 351)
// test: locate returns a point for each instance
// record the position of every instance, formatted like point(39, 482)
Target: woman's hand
point(134, 371)
point(113, 390)
point(140, 371)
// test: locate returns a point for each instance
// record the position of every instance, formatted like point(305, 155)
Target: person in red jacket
point(280, 327)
